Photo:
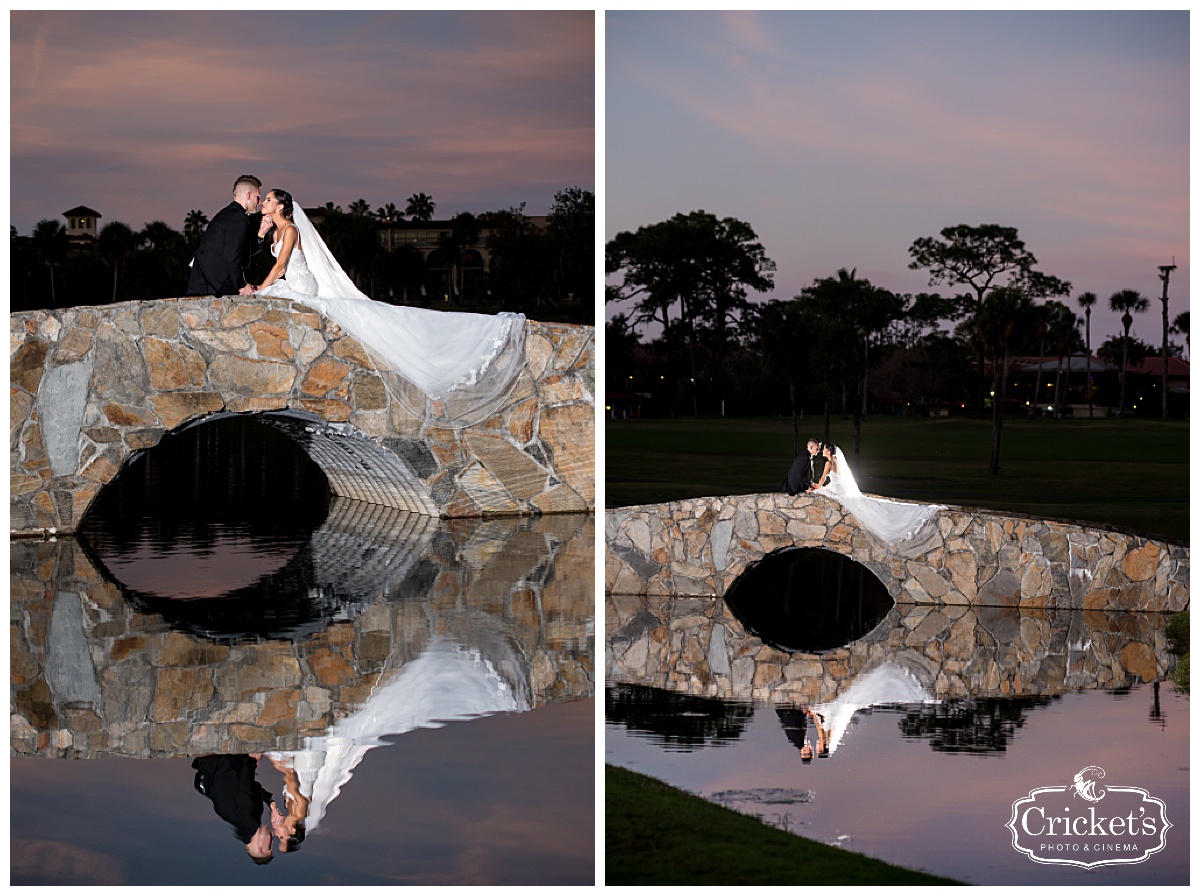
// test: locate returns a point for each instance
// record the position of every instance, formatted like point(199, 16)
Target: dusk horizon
point(146, 116)
point(843, 137)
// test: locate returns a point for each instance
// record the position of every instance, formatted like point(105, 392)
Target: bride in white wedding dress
point(456, 368)
point(890, 521)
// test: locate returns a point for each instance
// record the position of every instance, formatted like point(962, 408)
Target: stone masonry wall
point(965, 556)
point(92, 387)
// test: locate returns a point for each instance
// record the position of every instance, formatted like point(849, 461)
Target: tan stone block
point(256, 403)
point(517, 472)
point(324, 377)
point(26, 364)
point(74, 344)
point(20, 406)
point(140, 439)
point(560, 499)
point(369, 392)
point(310, 346)
point(520, 420)
point(326, 408)
point(330, 668)
point(559, 389)
point(1141, 563)
point(128, 415)
point(160, 319)
point(280, 706)
point(179, 691)
point(1138, 659)
point(241, 314)
point(174, 408)
point(224, 340)
point(352, 351)
point(271, 341)
point(102, 469)
point(250, 376)
point(171, 365)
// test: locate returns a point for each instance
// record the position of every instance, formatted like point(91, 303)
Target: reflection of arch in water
point(808, 599)
point(699, 647)
point(359, 554)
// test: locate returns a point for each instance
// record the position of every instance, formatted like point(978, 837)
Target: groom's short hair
point(247, 179)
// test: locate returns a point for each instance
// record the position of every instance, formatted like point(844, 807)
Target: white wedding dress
point(890, 521)
point(886, 683)
point(455, 368)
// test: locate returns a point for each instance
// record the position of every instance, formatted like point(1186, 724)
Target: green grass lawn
point(655, 834)
point(1127, 473)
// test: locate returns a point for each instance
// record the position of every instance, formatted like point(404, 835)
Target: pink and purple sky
point(146, 115)
point(841, 137)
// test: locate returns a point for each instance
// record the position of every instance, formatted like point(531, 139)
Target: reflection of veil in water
point(890, 521)
point(446, 683)
point(888, 683)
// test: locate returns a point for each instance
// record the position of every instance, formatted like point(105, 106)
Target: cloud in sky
point(843, 137)
point(145, 116)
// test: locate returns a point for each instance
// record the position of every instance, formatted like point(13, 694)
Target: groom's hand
point(246, 290)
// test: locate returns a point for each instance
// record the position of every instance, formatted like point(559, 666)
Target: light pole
point(1164, 274)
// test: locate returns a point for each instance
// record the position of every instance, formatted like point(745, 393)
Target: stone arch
point(92, 387)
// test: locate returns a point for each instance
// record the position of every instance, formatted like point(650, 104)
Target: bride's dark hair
point(284, 198)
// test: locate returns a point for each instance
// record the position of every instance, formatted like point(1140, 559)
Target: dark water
point(808, 599)
point(929, 786)
point(430, 683)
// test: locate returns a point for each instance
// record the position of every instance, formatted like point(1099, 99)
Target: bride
point(890, 521)
point(457, 368)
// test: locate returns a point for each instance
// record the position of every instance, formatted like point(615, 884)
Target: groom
point(216, 268)
point(807, 470)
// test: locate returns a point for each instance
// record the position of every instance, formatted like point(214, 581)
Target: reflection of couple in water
point(823, 471)
point(887, 683)
point(237, 796)
point(795, 724)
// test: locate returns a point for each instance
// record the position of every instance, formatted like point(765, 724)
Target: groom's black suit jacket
point(806, 469)
point(217, 264)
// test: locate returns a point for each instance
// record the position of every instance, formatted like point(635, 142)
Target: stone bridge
point(92, 387)
point(965, 556)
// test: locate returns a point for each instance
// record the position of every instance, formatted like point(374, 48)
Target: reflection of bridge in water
point(97, 670)
point(696, 646)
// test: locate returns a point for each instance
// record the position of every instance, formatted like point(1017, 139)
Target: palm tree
point(1128, 301)
point(388, 212)
point(1164, 274)
point(117, 243)
point(420, 207)
point(1086, 301)
point(193, 228)
point(1063, 333)
point(1181, 325)
point(50, 245)
point(360, 207)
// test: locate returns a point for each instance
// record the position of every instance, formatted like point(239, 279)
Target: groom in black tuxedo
point(807, 471)
point(217, 266)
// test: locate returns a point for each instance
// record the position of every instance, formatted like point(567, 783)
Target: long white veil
point(890, 521)
point(457, 368)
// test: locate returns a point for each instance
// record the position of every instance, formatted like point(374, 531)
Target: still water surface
point(430, 683)
point(910, 741)
point(922, 785)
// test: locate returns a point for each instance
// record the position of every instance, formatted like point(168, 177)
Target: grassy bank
point(1128, 473)
point(655, 834)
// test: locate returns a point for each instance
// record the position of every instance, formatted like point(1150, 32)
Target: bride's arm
point(288, 240)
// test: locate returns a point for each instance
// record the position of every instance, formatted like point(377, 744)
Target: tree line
point(546, 272)
point(690, 278)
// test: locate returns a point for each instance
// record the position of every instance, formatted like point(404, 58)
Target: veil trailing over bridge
point(454, 368)
point(890, 521)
